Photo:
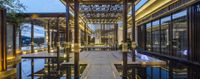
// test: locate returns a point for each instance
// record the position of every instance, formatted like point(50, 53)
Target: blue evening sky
point(52, 6)
point(140, 4)
point(43, 6)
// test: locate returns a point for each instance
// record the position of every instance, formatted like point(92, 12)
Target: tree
point(13, 7)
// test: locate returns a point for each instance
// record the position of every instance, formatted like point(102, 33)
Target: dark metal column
point(133, 39)
point(48, 31)
point(170, 69)
point(58, 44)
point(32, 68)
point(125, 45)
point(116, 36)
point(76, 39)
point(67, 33)
point(14, 39)
point(85, 32)
point(101, 32)
point(49, 47)
point(32, 37)
point(68, 44)
point(20, 40)
point(20, 70)
point(133, 32)
point(32, 49)
point(3, 45)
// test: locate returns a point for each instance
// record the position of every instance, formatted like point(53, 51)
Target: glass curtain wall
point(180, 34)
point(9, 42)
point(156, 36)
point(164, 34)
point(148, 37)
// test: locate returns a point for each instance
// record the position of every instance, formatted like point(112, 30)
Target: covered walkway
point(102, 39)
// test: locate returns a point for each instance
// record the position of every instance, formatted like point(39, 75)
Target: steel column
point(67, 50)
point(85, 33)
point(32, 36)
point(3, 45)
point(48, 31)
point(116, 36)
point(20, 40)
point(133, 31)
point(171, 69)
point(32, 48)
point(14, 39)
point(76, 39)
point(49, 47)
point(67, 33)
point(125, 46)
point(101, 33)
point(32, 68)
point(133, 39)
point(58, 44)
point(20, 70)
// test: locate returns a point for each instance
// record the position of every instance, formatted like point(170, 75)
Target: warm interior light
point(24, 52)
point(10, 58)
point(36, 50)
point(0, 66)
point(65, 55)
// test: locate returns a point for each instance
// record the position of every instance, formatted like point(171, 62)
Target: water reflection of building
point(172, 33)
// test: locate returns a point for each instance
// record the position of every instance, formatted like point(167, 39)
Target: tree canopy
point(13, 7)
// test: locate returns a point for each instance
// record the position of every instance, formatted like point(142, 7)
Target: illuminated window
point(148, 37)
point(155, 36)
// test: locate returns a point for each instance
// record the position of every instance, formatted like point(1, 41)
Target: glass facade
point(180, 34)
point(164, 34)
point(148, 37)
point(158, 34)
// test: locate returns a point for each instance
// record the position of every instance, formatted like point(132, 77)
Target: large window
point(180, 34)
point(148, 37)
point(168, 35)
point(156, 36)
point(164, 39)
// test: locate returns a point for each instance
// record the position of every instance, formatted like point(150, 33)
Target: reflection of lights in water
point(65, 56)
point(185, 52)
point(52, 51)
point(136, 52)
point(144, 57)
point(144, 63)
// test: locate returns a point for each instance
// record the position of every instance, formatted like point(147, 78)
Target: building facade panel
point(175, 34)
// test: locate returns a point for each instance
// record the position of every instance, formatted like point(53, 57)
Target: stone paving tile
point(100, 64)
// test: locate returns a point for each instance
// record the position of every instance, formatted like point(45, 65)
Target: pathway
point(100, 64)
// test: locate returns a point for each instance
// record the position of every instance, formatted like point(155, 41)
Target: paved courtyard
point(101, 64)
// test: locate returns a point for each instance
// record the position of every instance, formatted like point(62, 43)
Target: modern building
point(103, 39)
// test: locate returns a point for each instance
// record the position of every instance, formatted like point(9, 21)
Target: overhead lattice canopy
point(101, 1)
point(100, 11)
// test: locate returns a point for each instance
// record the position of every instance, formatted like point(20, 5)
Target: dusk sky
point(43, 6)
